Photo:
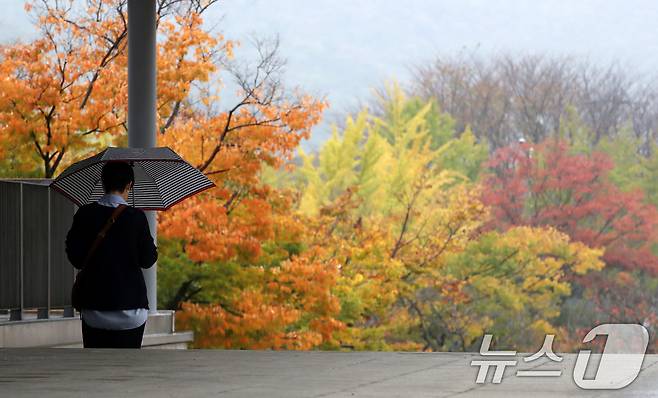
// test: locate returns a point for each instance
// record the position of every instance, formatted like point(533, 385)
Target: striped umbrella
point(162, 178)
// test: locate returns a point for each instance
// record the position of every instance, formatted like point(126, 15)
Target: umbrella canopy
point(162, 178)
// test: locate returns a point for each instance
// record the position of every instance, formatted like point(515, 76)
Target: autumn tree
point(404, 222)
point(550, 184)
point(247, 287)
point(633, 169)
point(546, 185)
point(381, 154)
point(64, 94)
point(290, 306)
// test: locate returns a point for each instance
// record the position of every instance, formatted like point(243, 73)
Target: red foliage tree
point(545, 184)
point(549, 185)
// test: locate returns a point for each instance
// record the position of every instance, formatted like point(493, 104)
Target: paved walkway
point(211, 373)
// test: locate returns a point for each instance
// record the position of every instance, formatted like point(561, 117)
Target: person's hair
point(116, 176)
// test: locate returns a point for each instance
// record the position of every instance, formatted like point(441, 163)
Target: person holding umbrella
point(110, 241)
point(114, 303)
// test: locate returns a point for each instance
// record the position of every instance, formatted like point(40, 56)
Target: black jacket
point(114, 279)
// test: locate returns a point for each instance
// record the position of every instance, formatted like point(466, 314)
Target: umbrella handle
point(132, 190)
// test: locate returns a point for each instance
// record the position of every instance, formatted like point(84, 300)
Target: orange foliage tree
point(263, 127)
point(288, 302)
point(63, 95)
point(288, 307)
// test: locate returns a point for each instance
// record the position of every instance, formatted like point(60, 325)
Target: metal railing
point(34, 271)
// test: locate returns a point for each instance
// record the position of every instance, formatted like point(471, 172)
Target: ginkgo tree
point(381, 154)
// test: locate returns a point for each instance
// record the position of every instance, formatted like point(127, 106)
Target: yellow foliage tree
point(416, 269)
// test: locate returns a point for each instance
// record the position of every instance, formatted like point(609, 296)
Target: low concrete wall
point(40, 333)
point(66, 332)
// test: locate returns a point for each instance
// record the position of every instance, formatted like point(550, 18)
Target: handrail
point(34, 270)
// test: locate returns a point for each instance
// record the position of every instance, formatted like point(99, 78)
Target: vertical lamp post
point(142, 100)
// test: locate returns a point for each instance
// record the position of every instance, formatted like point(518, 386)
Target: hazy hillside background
point(341, 49)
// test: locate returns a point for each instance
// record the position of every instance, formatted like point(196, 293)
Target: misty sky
point(342, 48)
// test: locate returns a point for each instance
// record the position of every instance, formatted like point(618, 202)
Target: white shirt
point(120, 319)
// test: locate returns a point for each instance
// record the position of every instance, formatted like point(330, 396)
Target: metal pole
point(17, 315)
point(50, 251)
point(142, 100)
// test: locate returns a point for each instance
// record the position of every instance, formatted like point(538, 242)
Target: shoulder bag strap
point(101, 235)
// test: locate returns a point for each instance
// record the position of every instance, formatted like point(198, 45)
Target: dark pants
point(101, 338)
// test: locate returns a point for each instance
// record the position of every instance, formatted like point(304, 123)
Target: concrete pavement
point(34, 372)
